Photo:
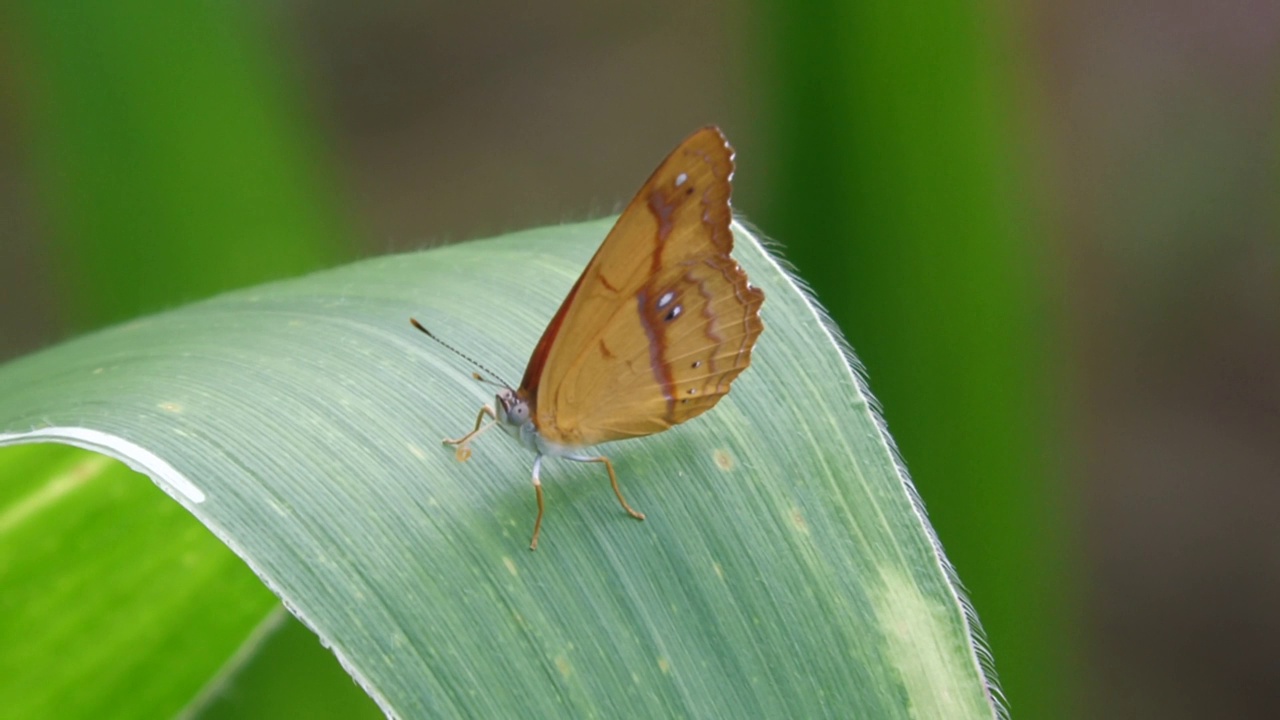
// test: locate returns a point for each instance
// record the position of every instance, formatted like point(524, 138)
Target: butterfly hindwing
point(661, 320)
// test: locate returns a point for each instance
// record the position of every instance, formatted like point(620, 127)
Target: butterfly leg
point(464, 451)
point(613, 478)
point(537, 487)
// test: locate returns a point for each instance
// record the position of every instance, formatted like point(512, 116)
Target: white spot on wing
point(681, 179)
point(666, 299)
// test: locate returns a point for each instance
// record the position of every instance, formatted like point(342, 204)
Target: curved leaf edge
point(984, 661)
point(187, 494)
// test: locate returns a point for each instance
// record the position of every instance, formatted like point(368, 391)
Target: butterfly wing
point(661, 321)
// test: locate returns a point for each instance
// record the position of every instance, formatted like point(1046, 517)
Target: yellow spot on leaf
point(664, 665)
point(723, 459)
point(172, 407)
point(563, 665)
point(511, 565)
point(797, 519)
point(926, 644)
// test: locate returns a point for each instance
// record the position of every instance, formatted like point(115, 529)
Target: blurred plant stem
point(900, 195)
point(174, 157)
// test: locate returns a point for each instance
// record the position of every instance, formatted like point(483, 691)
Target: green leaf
point(784, 569)
point(106, 581)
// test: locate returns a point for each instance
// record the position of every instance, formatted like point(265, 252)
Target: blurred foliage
point(174, 159)
point(900, 198)
point(107, 583)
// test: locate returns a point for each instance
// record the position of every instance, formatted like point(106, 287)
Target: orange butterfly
point(653, 332)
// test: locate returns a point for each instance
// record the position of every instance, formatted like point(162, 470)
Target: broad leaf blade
point(783, 570)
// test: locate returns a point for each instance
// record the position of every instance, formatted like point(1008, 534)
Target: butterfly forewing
point(661, 320)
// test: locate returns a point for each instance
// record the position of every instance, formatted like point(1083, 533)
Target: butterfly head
point(512, 409)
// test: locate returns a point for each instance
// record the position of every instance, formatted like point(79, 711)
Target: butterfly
point(659, 324)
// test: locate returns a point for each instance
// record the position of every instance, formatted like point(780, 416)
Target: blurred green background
point(1049, 231)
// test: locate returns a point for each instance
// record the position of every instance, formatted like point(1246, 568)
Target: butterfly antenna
point(464, 356)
